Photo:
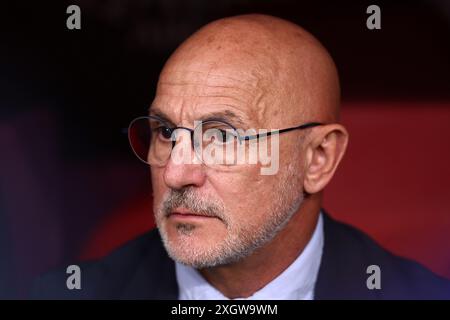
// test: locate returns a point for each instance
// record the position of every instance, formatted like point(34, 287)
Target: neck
point(245, 277)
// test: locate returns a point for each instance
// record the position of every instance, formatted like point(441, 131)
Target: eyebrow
point(227, 116)
point(153, 111)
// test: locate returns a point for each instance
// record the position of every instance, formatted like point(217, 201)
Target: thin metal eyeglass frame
point(240, 138)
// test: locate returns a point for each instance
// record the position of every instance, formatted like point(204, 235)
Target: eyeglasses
point(215, 142)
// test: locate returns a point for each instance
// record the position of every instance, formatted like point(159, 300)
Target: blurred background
point(70, 187)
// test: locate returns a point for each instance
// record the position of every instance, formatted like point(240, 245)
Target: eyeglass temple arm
point(301, 127)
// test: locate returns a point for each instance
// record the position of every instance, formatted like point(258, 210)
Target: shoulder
point(348, 253)
point(108, 277)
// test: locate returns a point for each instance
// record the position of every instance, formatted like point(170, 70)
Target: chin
point(197, 249)
point(194, 237)
point(194, 255)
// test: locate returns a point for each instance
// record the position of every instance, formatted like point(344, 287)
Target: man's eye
point(164, 132)
point(224, 136)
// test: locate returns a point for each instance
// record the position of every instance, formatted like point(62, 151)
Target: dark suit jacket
point(142, 269)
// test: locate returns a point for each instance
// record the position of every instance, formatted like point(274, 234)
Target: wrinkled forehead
point(202, 91)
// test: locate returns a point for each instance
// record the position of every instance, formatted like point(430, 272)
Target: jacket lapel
point(342, 272)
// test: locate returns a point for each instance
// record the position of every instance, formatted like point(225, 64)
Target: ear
point(324, 151)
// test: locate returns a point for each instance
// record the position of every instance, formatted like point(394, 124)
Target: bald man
point(233, 228)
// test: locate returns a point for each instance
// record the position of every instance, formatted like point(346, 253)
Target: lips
point(186, 214)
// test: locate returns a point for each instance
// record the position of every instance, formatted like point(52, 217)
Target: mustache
point(187, 198)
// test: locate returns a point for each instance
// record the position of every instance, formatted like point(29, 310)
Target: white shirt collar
point(297, 282)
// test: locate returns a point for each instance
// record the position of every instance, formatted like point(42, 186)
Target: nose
point(179, 174)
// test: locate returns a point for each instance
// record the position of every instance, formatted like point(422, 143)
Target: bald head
point(280, 71)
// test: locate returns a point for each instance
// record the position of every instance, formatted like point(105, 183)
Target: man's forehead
point(211, 76)
point(199, 94)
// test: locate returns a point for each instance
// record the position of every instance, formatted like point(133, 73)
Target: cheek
point(245, 195)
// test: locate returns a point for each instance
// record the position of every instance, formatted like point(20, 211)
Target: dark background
point(66, 95)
